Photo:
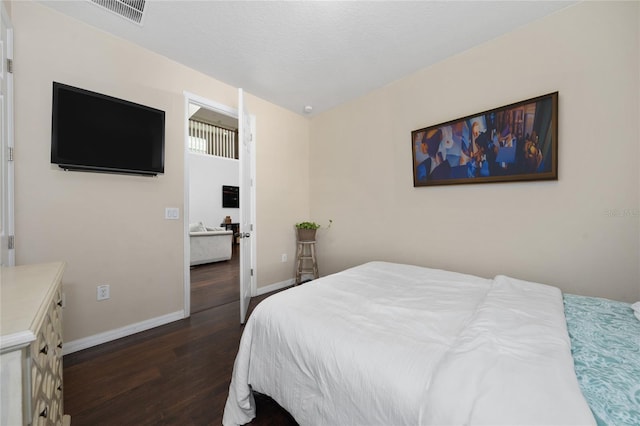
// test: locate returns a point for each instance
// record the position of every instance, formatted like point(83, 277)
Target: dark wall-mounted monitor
point(95, 132)
point(230, 196)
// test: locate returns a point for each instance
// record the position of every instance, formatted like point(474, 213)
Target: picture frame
point(515, 142)
point(230, 196)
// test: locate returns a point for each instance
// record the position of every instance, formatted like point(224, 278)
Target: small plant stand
point(306, 262)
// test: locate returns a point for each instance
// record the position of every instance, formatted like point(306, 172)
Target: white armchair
point(209, 244)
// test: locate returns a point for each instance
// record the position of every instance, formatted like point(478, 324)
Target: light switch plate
point(172, 213)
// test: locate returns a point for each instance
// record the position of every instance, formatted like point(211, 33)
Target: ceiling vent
point(131, 10)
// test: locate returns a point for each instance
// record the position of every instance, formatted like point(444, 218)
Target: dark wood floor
point(176, 374)
point(215, 284)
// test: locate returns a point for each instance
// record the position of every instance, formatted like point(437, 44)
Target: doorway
point(212, 167)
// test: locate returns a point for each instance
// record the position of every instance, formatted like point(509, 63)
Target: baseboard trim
point(128, 330)
point(275, 286)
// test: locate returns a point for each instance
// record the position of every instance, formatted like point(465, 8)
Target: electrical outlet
point(103, 292)
point(284, 257)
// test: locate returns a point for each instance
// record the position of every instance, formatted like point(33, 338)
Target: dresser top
point(25, 293)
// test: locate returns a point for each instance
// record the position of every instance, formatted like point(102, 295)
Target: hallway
point(215, 284)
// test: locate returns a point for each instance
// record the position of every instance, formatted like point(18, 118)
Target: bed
point(391, 344)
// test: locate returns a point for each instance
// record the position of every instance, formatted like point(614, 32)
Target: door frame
point(7, 204)
point(190, 98)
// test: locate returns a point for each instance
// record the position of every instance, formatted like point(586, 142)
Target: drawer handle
point(44, 413)
point(45, 350)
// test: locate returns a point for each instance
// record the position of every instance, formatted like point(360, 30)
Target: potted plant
point(306, 231)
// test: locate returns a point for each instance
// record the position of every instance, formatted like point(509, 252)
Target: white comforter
point(391, 344)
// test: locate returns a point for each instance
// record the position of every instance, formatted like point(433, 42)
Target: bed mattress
point(386, 343)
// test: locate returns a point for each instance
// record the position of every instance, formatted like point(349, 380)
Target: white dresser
point(31, 345)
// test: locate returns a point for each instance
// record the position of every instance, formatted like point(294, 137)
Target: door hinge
point(11, 242)
point(251, 137)
point(10, 154)
point(10, 66)
point(251, 271)
point(251, 227)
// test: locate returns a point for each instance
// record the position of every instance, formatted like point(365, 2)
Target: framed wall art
point(517, 142)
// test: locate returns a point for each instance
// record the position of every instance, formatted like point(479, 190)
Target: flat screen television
point(95, 132)
point(230, 196)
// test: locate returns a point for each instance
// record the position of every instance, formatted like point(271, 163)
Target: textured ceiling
point(318, 53)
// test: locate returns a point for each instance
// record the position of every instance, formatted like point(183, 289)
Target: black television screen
point(230, 196)
point(96, 132)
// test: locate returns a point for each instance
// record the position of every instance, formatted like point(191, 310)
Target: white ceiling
point(318, 53)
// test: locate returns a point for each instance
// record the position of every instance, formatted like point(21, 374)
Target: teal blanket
point(605, 343)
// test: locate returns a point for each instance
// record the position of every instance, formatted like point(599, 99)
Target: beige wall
point(282, 190)
point(110, 229)
point(553, 232)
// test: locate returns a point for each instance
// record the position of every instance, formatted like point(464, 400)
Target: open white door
point(245, 138)
point(7, 252)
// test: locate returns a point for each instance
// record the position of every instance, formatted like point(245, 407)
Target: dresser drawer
point(31, 345)
point(46, 367)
